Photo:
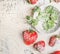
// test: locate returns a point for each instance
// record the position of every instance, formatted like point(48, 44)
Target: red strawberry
point(52, 40)
point(56, 52)
point(39, 46)
point(29, 36)
point(33, 1)
point(57, 1)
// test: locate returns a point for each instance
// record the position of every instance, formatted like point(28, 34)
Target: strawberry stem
point(58, 37)
point(31, 30)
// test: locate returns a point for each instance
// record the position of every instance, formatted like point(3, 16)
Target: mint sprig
point(50, 15)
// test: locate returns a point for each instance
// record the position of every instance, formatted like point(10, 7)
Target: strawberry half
point(55, 52)
point(29, 36)
point(39, 46)
point(33, 1)
point(52, 40)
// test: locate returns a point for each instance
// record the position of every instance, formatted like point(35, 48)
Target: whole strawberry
point(52, 40)
point(29, 36)
point(56, 52)
point(33, 1)
point(39, 46)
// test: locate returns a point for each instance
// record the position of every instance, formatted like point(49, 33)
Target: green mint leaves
point(31, 20)
point(50, 15)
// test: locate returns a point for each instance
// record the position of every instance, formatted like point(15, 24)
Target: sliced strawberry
point(39, 46)
point(29, 36)
point(52, 40)
point(57, 1)
point(33, 1)
point(56, 52)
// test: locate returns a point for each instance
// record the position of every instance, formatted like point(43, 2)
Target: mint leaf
point(28, 17)
point(36, 9)
point(34, 22)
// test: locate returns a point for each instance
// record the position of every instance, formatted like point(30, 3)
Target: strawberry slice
point(39, 46)
point(57, 1)
point(52, 40)
point(33, 1)
point(29, 36)
point(56, 52)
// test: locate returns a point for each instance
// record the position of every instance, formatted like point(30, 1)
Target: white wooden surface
point(12, 23)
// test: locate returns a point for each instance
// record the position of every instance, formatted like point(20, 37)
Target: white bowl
point(39, 26)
